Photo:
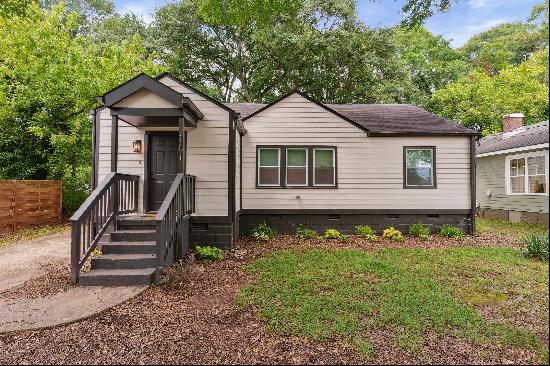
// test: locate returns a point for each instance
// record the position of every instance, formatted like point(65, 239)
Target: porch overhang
point(155, 117)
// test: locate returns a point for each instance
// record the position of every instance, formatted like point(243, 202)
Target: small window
point(419, 167)
point(269, 165)
point(296, 167)
point(324, 172)
point(517, 175)
point(536, 169)
point(527, 174)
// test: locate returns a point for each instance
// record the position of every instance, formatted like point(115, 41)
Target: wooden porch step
point(117, 277)
point(124, 261)
point(130, 247)
point(133, 235)
point(136, 223)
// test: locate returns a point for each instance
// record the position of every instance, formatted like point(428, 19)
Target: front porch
point(139, 246)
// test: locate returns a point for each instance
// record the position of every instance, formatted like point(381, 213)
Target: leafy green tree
point(430, 60)
point(503, 45)
point(479, 100)
point(317, 46)
point(48, 80)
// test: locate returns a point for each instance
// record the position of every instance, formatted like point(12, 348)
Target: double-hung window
point(419, 167)
point(269, 167)
point(527, 174)
point(296, 167)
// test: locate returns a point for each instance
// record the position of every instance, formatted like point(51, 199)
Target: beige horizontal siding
point(207, 148)
point(491, 176)
point(370, 170)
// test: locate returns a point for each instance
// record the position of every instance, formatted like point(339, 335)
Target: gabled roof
point(530, 135)
point(376, 119)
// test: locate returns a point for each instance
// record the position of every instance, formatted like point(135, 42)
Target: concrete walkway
point(63, 308)
point(19, 262)
point(23, 261)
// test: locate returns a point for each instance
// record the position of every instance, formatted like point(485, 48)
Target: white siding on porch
point(370, 169)
point(207, 149)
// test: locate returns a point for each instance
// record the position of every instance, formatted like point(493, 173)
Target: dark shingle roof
point(381, 119)
point(534, 134)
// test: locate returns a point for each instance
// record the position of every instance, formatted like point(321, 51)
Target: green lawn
point(415, 293)
point(507, 228)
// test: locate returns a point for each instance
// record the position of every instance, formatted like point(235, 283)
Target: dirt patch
point(192, 317)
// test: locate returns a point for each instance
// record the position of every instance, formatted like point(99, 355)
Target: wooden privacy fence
point(29, 203)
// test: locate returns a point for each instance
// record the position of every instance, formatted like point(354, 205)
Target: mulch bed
point(192, 317)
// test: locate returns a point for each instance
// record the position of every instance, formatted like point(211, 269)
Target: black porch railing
point(170, 221)
point(117, 194)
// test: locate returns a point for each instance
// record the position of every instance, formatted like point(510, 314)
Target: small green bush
point(450, 231)
point(344, 238)
point(263, 232)
point(371, 237)
point(332, 234)
point(536, 246)
point(209, 253)
point(305, 233)
point(364, 230)
point(420, 230)
point(393, 234)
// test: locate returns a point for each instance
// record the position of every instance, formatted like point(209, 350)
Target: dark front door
point(163, 167)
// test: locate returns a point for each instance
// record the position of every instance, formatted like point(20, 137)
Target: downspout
point(473, 205)
point(93, 117)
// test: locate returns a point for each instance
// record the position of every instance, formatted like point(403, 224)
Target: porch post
point(182, 148)
point(114, 144)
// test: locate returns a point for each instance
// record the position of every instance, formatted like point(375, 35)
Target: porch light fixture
point(137, 146)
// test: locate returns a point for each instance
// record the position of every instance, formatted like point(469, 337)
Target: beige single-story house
point(512, 172)
point(183, 169)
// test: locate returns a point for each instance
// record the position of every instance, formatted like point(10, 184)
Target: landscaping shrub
point(393, 234)
point(332, 234)
point(209, 253)
point(536, 246)
point(364, 230)
point(305, 233)
point(420, 230)
point(450, 231)
point(344, 238)
point(263, 232)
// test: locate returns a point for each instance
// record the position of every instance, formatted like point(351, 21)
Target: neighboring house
point(211, 171)
point(512, 172)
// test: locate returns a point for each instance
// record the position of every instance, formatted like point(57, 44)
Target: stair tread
point(119, 272)
point(135, 231)
point(129, 243)
point(115, 256)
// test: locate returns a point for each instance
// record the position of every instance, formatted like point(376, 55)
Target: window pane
point(269, 157)
point(535, 165)
point(324, 176)
point(269, 176)
point(537, 184)
point(324, 158)
point(419, 167)
point(296, 176)
point(518, 184)
point(517, 167)
point(296, 157)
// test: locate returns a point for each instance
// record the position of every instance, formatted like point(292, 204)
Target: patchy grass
point(484, 295)
point(29, 234)
point(507, 228)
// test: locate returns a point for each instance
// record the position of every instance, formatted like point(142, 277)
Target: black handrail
point(179, 202)
point(116, 194)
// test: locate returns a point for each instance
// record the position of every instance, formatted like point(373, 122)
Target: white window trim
point(278, 166)
point(525, 156)
point(297, 166)
point(431, 168)
point(333, 167)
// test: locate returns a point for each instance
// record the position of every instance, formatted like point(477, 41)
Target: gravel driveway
point(25, 260)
